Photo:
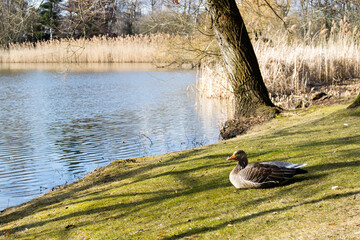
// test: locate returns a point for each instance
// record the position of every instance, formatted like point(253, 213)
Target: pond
point(58, 126)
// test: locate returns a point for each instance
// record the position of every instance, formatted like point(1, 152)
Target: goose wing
point(285, 164)
point(266, 173)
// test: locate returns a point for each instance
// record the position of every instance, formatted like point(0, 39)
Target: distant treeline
point(22, 20)
point(33, 21)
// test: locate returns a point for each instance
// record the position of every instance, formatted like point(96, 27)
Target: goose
point(261, 175)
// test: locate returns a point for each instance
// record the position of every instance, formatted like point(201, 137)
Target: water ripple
point(56, 128)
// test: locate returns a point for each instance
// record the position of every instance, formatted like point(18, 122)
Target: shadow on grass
point(134, 206)
point(336, 141)
point(197, 187)
point(330, 120)
point(131, 207)
point(333, 166)
point(143, 173)
point(201, 230)
point(95, 178)
point(68, 192)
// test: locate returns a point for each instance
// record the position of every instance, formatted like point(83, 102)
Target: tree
point(88, 18)
point(326, 14)
point(127, 16)
point(356, 103)
point(251, 95)
point(49, 14)
point(14, 24)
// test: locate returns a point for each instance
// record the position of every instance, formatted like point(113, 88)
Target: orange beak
point(231, 158)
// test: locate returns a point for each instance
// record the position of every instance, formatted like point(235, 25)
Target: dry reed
point(130, 49)
point(293, 71)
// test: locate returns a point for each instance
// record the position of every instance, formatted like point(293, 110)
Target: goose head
point(241, 157)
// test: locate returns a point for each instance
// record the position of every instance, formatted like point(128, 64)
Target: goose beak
point(231, 158)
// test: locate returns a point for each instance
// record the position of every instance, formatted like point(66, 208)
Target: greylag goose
point(261, 175)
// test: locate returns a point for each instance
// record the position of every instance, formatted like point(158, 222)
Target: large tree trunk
point(356, 103)
point(251, 95)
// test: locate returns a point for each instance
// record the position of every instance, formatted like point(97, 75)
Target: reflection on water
point(78, 67)
point(57, 127)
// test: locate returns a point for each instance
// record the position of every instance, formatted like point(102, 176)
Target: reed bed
point(292, 70)
point(129, 49)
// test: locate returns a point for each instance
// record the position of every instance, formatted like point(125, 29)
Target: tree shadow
point(201, 230)
point(197, 186)
point(131, 207)
point(99, 178)
point(337, 141)
point(332, 166)
point(303, 128)
point(143, 173)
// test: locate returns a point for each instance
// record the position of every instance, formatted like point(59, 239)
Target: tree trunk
point(356, 103)
point(251, 95)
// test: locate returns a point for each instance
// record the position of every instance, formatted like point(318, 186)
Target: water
point(56, 127)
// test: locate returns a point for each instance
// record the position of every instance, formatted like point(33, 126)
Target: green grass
point(188, 195)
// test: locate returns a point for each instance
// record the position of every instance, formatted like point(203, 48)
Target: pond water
point(56, 127)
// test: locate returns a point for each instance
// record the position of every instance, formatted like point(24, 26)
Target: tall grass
point(130, 49)
point(294, 70)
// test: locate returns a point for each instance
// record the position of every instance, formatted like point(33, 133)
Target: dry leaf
point(70, 226)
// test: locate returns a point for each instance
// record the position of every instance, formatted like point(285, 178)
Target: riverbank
point(153, 48)
point(293, 70)
point(188, 195)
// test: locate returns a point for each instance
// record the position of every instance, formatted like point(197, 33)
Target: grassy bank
point(188, 195)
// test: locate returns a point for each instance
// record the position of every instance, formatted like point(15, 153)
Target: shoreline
point(187, 193)
point(253, 129)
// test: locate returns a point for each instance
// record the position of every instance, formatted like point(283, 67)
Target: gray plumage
point(260, 175)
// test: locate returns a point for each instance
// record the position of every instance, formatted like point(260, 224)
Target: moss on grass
point(188, 195)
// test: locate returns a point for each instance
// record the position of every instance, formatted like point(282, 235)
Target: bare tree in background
point(88, 18)
point(325, 15)
point(127, 16)
point(166, 17)
point(15, 21)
